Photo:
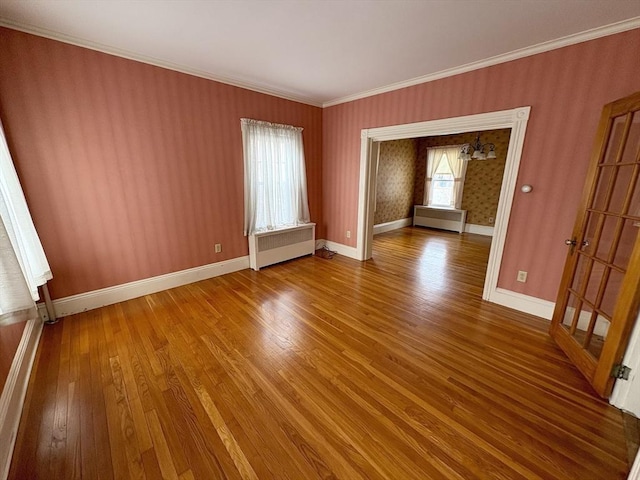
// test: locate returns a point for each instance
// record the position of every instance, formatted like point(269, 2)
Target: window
point(23, 264)
point(442, 185)
point(444, 177)
point(275, 178)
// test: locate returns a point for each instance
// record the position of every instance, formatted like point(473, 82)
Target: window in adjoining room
point(445, 177)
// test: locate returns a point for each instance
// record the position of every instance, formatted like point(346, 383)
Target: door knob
point(573, 242)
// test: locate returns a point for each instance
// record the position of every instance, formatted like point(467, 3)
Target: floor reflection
point(432, 266)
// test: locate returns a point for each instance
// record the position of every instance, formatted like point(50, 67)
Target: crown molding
point(587, 35)
point(573, 39)
point(79, 42)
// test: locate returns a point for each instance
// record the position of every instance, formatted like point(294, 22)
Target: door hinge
point(620, 372)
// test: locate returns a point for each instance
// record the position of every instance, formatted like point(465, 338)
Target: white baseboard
point(541, 308)
point(345, 250)
point(15, 389)
point(478, 229)
point(119, 293)
point(523, 303)
point(395, 225)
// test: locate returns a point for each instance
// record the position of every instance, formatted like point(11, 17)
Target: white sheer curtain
point(275, 180)
point(23, 265)
point(444, 166)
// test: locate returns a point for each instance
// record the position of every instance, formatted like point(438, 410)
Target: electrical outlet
point(218, 248)
point(348, 233)
point(522, 276)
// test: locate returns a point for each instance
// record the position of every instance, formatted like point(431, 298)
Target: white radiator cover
point(442, 218)
point(267, 248)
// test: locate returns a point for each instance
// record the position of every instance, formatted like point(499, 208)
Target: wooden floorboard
point(318, 368)
point(632, 434)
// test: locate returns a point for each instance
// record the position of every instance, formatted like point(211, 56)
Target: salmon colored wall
point(131, 170)
point(566, 89)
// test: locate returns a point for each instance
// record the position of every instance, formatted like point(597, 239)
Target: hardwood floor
point(632, 434)
point(317, 368)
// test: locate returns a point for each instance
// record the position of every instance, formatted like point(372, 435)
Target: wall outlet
point(218, 248)
point(348, 233)
point(522, 276)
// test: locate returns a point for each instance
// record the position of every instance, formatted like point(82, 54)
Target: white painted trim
point(99, 47)
point(585, 36)
point(634, 474)
point(524, 303)
point(126, 291)
point(341, 249)
point(620, 397)
point(478, 229)
point(14, 391)
point(463, 124)
point(516, 119)
point(507, 191)
point(541, 308)
point(369, 150)
point(389, 226)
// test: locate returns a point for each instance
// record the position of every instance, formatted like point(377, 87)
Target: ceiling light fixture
point(478, 150)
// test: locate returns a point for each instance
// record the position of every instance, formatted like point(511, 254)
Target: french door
point(599, 293)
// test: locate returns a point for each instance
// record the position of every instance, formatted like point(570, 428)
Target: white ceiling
point(315, 51)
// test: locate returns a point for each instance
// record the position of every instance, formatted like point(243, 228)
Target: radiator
point(442, 218)
point(267, 248)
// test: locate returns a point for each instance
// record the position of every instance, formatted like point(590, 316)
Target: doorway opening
point(427, 182)
point(515, 119)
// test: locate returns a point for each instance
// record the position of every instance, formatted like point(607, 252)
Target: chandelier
point(478, 150)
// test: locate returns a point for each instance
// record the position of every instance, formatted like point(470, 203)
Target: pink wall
point(131, 170)
point(566, 89)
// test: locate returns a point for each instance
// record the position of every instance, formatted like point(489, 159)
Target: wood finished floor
point(316, 368)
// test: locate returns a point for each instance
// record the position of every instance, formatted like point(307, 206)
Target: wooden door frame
point(516, 119)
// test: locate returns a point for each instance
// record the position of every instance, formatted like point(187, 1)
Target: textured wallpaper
point(395, 181)
point(131, 170)
point(484, 177)
point(566, 89)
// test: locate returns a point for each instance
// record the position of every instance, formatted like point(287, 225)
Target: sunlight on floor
point(433, 265)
